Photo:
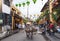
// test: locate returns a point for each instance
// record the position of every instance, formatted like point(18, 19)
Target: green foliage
point(58, 11)
point(54, 17)
point(37, 19)
point(25, 20)
point(46, 12)
point(34, 1)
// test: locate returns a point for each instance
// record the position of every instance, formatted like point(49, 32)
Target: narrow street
point(40, 16)
point(22, 37)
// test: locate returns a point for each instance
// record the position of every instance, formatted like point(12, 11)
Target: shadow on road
point(46, 38)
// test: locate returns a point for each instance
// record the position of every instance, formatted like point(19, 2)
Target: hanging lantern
point(19, 5)
point(23, 4)
point(42, 1)
point(28, 3)
point(34, 1)
point(16, 5)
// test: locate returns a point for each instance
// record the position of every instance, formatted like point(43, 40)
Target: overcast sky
point(34, 9)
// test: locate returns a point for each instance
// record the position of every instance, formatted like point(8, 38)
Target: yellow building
point(16, 18)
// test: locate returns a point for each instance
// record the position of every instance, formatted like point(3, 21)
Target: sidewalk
point(6, 34)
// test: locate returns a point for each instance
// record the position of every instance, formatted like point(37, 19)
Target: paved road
point(21, 37)
point(54, 38)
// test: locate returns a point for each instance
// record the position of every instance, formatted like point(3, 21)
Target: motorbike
point(29, 33)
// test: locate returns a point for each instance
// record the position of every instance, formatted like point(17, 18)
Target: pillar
point(12, 21)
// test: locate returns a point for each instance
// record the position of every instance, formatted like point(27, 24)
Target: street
point(38, 37)
point(19, 19)
point(22, 37)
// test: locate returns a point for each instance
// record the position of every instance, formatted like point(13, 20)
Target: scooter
point(29, 35)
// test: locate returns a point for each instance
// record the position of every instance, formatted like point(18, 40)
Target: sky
point(34, 9)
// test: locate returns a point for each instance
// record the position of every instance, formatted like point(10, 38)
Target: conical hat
point(28, 23)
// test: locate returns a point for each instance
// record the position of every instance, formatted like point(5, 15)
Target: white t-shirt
point(19, 26)
point(57, 27)
point(23, 26)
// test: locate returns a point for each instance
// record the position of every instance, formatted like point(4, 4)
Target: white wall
point(5, 8)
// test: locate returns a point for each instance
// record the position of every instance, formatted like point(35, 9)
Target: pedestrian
point(44, 29)
point(52, 29)
point(19, 26)
point(23, 26)
point(16, 25)
point(58, 28)
point(48, 29)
